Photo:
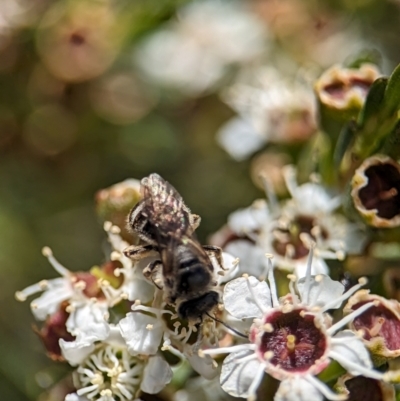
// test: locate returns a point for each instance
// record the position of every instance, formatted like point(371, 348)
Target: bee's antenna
point(227, 326)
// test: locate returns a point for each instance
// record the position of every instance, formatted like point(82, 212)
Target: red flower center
point(294, 342)
point(288, 241)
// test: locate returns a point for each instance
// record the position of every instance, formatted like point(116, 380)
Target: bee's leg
point(138, 252)
point(152, 271)
point(216, 252)
point(194, 220)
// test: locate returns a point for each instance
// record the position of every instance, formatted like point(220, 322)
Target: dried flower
point(380, 325)
point(362, 388)
point(341, 88)
point(376, 191)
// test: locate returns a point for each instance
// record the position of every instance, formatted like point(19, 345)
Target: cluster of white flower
point(194, 52)
point(117, 358)
point(118, 354)
point(287, 230)
point(270, 109)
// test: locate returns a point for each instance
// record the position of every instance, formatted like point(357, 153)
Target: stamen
point(376, 328)
point(269, 191)
point(349, 365)
point(107, 225)
point(361, 282)
point(227, 350)
point(255, 383)
point(268, 355)
point(271, 280)
point(290, 251)
point(158, 312)
point(292, 279)
point(253, 295)
point(32, 289)
point(58, 267)
point(350, 317)
point(245, 358)
point(289, 175)
point(325, 390)
point(308, 274)
point(386, 195)
point(291, 342)
point(268, 328)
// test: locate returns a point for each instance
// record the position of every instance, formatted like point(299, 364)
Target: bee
point(166, 226)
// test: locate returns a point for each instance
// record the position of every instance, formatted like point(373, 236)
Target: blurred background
point(96, 91)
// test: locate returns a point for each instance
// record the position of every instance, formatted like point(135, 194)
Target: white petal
point(89, 320)
point(240, 302)
point(142, 333)
point(203, 366)
point(74, 397)
point(297, 389)
point(322, 290)
point(140, 289)
point(318, 266)
point(252, 258)
point(237, 377)
point(352, 349)
point(230, 265)
point(58, 290)
point(314, 199)
point(75, 352)
point(156, 375)
point(239, 138)
point(250, 219)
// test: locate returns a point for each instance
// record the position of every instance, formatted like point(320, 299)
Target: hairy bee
point(166, 225)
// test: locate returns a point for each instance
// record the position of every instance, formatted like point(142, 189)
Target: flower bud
point(114, 204)
point(376, 191)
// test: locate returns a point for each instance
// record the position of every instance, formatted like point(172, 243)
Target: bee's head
point(196, 308)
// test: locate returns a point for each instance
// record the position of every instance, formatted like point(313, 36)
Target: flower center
point(291, 341)
point(110, 371)
point(288, 241)
point(382, 191)
point(340, 89)
point(379, 321)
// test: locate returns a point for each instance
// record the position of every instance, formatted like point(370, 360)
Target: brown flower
point(376, 191)
point(379, 325)
point(345, 88)
point(362, 388)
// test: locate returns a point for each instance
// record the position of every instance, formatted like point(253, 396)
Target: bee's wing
point(165, 208)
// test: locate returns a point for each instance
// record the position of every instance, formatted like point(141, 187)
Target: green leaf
point(392, 93)
point(346, 137)
point(374, 100)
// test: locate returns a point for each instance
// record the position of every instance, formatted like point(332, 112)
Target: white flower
point(291, 339)
point(88, 299)
point(288, 230)
point(89, 296)
point(192, 53)
point(108, 372)
point(269, 109)
point(309, 217)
